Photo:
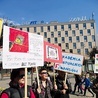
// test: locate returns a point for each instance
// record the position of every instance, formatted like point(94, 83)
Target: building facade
point(74, 37)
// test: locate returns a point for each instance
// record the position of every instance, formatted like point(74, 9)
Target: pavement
point(4, 83)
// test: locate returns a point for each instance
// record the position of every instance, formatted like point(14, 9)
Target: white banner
point(96, 64)
point(72, 63)
point(21, 49)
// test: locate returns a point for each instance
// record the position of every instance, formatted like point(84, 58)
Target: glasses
point(44, 73)
point(21, 76)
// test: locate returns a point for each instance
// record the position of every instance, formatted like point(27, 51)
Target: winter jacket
point(59, 83)
point(45, 92)
point(87, 82)
point(14, 91)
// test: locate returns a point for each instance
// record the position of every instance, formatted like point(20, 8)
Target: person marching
point(45, 88)
point(17, 83)
point(63, 89)
point(87, 85)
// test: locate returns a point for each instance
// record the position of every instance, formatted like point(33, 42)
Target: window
point(88, 31)
point(63, 39)
point(77, 38)
point(59, 33)
point(74, 45)
point(81, 32)
point(20, 28)
point(48, 28)
point(66, 33)
point(67, 45)
point(92, 25)
point(71, 51)
point(84, 25)
point(78, 51)
point(55, 40)
point(52, 34)
point(27, 29)
point(55, 28)
point(82, 45)
point(85, 38)
point(45, 34)
point(62, 27)
point(41, 29)
point(49, 40)
point(73, 32)
point(70, 39)
point(69, 26)
point(34, 29)
point(90, 44)
point(93, 37)
point(86, 51)
point(77, 27)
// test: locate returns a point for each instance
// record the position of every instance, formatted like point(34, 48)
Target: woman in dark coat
point(17, 86)
point(62, 87)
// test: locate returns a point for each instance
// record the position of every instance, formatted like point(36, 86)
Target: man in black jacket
point(78, 81)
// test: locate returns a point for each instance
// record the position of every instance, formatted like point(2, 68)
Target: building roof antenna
point(93, 15)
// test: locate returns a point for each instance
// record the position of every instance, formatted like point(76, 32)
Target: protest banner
point(21, 49)
point(1, 23)
point(72, 63)
point(96, 64)
point(52, 53)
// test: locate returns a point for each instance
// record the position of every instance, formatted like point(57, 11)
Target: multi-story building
point(75, 37)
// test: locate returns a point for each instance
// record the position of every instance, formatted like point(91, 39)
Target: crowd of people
point(47, 87)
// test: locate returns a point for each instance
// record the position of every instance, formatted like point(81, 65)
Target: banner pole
point(31, 75)
point(54, 75)
point(37, 75)
point(25, 82)
point(66, 77)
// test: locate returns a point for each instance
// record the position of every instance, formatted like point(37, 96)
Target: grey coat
point(45, 92)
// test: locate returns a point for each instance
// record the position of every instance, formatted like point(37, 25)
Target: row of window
point(71, 40)
point(79, 51)
point(62, 27)
point(82, 45)
point(66, 33)
point(85, 51)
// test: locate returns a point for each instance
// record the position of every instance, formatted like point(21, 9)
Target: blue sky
point(21, 11)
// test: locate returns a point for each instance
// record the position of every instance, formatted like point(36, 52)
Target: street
point(4, 83)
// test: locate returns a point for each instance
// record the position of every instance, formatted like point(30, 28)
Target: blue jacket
point(87, 82)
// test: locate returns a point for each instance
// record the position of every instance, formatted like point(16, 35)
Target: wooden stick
point(37, 75)
point(25, 82)
point(32, 76)
point(66, 74)
point(54, 75)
